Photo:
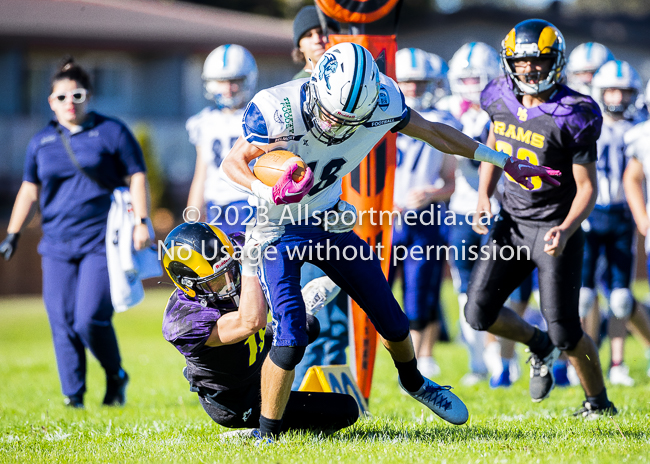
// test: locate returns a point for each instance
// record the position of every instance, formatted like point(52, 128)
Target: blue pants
point(422, 277)
point(329, 347)
point(77, 299)
point(612, 232)
point(229, 218)
point(347, 260)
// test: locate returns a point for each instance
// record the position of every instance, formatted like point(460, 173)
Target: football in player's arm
point(332, 121)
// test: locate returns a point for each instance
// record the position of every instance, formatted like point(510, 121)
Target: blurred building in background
point(146, 56)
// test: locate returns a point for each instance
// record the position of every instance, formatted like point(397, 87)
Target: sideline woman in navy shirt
point(74, 210)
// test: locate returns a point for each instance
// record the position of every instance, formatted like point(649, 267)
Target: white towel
point(127, 267)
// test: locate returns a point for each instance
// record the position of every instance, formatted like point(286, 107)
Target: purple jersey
point(557, 134)
point(187, 325)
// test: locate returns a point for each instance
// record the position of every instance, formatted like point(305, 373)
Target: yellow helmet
point(198, 257)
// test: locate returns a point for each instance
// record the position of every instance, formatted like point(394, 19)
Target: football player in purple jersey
point(535, 117)
point(217, 320)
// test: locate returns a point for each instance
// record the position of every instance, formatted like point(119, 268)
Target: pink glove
point(286, 190)
point(521, 171)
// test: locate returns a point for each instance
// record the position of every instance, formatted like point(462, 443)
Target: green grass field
point(163, 421)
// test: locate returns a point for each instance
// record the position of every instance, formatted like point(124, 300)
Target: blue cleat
point(441, 401)
point(501, 381)
point(260, 440)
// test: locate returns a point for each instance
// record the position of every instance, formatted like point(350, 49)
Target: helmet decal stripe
point(471, 50)
point(546, 39)
point(619, 69)
point(358, 78)
point(414, 63)
point(509, 43)
point(225, 54)
point(589, 47)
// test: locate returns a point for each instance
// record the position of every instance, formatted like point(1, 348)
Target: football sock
point(270, 427)
point(540, 343)
point(409, 375)
point(600, 400)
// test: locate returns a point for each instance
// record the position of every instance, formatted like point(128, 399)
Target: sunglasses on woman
point(77, 96)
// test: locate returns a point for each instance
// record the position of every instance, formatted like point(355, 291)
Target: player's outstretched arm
point(633, 184)
point(450, 140)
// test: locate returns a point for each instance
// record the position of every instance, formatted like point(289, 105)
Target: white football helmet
point(343, 92)
point(413, 64)
point(471, 68)
point(617, 74)
point(586, 58)
point(226, 63)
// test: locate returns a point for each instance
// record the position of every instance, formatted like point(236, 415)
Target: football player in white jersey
point(470, 69)
point(583, 63)
point(229, 77)
point(615, 87)
point(332, 121)
point(424, 179)
point(637, 144)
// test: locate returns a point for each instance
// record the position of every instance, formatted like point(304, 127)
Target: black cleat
point(590, 412)
point(541, 374)
point(74, 401)
point(116, 389)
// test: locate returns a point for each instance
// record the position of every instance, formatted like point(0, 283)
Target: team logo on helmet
point(383, 100)
point(328, 66)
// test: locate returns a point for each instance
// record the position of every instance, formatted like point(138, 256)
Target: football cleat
point(74, 401)
point(620, 375)
point(472, 378)
point(261, 440)
point(541, 374)
point(589, 412)
point(441, 401)
point(502, 380)
point(240, 433)
point(116, 389)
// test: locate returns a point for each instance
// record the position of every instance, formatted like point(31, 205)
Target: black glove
point(8, 246)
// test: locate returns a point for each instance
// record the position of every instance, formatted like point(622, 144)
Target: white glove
point(258, 237)
point(341, 219)
point(318, 293)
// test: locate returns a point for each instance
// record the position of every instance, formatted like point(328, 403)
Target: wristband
point(248, 267)
point(485, 153)
point(262, 191)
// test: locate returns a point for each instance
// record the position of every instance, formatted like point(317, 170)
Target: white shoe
point(428, 367)
point(239, 433)
point(571, 373)
point(620, 375)
point(472, 378)
point(441, 401)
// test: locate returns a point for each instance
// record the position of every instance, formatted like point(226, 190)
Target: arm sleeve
point(254, 126)
point(130, 153)
point(585, 155)
point(406, 113)
point(30, 171)
point(188, 327)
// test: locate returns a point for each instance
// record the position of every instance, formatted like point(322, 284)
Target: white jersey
point(476, 124)
point(215, 132)
point(611, 162)
point(637, 142)
point(274, 119)
point(418, 163)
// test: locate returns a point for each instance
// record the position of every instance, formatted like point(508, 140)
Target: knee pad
point(286, 357)
point(621, 302)
point(587, 300)
point(313, 328)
